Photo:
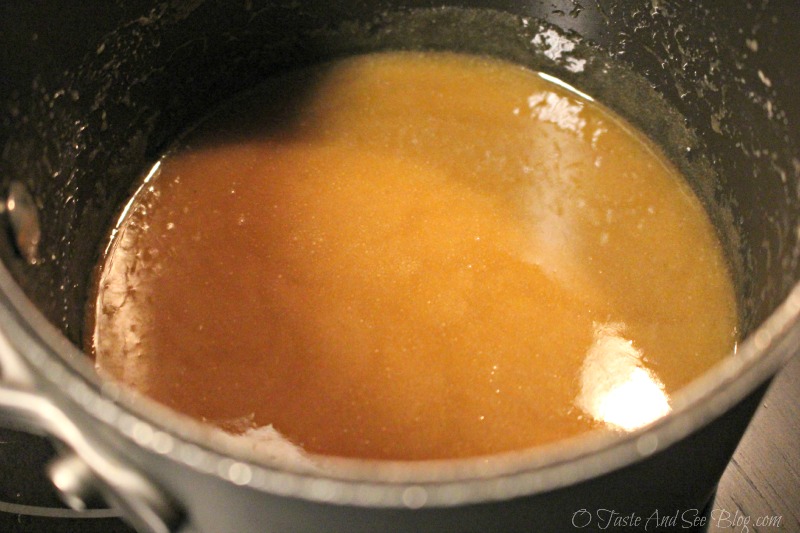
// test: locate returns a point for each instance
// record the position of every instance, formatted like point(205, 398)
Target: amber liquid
point(413, 256)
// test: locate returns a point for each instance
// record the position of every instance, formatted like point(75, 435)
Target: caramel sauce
point(413, 256)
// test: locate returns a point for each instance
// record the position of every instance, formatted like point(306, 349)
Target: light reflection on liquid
point(561, 111)
point(616, 387)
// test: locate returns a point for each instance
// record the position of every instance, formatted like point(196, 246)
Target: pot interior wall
point(91, 95)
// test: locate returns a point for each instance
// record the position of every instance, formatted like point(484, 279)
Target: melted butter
point(413, 256)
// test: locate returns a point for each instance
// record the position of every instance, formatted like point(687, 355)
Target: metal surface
point(75, 482)
point(762, 482)
point(84, 474)
point(23, 216)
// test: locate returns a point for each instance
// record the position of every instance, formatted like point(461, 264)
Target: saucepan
point(91, 93)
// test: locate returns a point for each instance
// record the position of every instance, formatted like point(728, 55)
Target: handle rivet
point(23, 215)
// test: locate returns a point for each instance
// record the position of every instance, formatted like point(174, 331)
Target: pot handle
point(82, 474)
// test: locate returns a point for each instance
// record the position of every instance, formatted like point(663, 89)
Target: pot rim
point(156, 429)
